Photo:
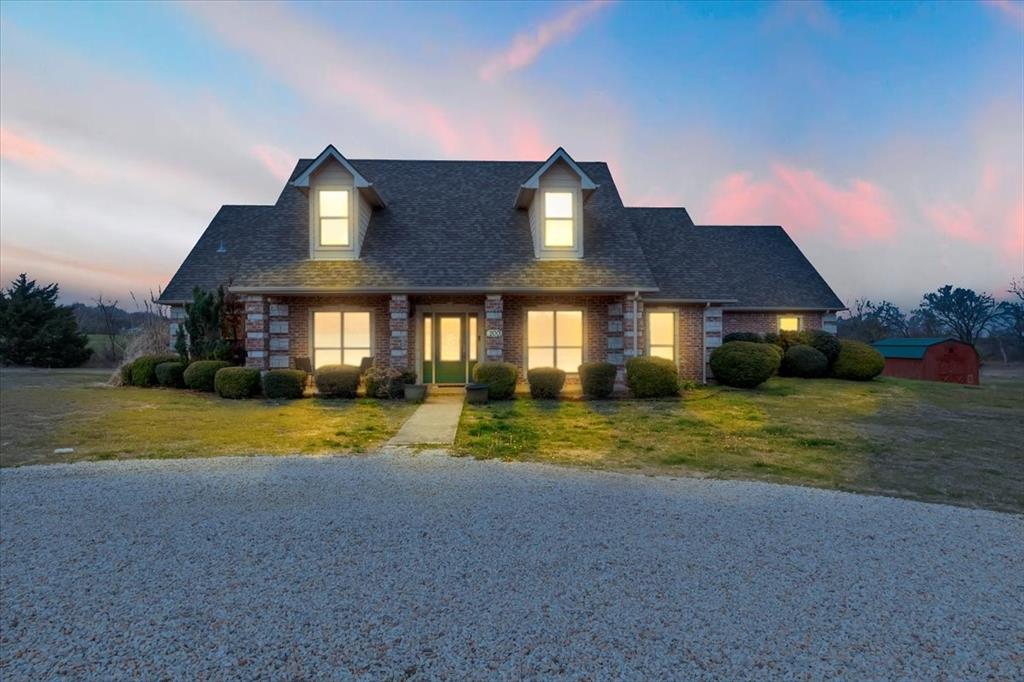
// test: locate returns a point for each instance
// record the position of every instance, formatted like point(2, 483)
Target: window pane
point(451, 339)
point(540, 357)
point(333, 203)
point(472, 337)
point(326, 330)
point(354, 356)
point(540, 328)
point(357, 330)
point(326, 357)
point(428, 338)
point(569, 327)
point(334, 231)
point(558, 204)
point(570, 359)
point(661, 328)
point(667, 352)
point(789, 324)
point(558, 233)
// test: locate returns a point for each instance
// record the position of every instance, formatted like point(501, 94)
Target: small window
point(554, 339)
point(333, 217)
point(559, 231)
point(428, 338)
point(661, 334)
point(789, 323)
point(340, 338)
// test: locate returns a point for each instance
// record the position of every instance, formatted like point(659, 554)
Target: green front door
point(450, 348)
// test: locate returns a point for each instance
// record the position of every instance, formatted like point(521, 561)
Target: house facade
point(435, 266)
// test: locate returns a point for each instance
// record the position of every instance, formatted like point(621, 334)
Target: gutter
point(313, 291)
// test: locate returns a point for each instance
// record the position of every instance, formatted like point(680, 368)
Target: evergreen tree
point(35, 331)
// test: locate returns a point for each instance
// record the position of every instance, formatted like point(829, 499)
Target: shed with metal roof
point(935, 358)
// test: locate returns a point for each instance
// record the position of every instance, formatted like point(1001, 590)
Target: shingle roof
point(452, 224)
point(749, 266)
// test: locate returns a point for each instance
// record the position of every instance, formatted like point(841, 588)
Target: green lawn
point(921, 440)
point(43, 410)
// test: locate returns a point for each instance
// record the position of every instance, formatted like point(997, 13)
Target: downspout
point(636, 324)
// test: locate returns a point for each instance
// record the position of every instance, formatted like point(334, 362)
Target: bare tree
point(107, 312)
point(965, 312)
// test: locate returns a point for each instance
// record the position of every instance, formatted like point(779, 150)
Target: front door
point(451, 347)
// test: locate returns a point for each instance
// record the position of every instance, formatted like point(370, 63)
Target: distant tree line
point(996, 328)
point(105, 316)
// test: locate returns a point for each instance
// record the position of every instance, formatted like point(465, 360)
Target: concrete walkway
point(435, 422)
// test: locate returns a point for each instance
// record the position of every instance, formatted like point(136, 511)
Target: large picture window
point(554, 338)
point(341, 338)
point(789, 323)
point(661, 334)
point(333, 216)
point(559, 230)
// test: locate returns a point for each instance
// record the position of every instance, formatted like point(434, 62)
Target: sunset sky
point(887, 138)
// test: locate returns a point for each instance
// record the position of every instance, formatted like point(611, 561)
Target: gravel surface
point(426, 566)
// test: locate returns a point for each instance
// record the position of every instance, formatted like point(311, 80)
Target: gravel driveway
point(427, 566)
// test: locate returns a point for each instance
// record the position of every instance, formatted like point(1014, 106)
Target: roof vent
point(222, 248)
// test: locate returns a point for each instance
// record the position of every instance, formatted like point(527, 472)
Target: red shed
point(931, 359)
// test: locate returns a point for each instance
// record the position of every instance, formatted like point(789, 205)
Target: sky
point(888, 139)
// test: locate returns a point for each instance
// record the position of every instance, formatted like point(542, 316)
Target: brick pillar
point(712, 336)
point(399, 325)
point(256, 332)
point(633, 328)
point(494, 328)
point(279, 337)
point(614, 340)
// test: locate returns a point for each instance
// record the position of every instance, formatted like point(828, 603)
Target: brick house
point(437, 265)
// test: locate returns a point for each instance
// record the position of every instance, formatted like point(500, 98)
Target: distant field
point(100, 345)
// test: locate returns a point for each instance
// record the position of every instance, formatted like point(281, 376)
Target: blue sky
point(887, 138)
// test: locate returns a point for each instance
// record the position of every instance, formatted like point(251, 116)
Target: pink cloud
point(276, 160)
point(957, 222)
point(804, 202)
point(1013, 10)
point(35, 155)
point(526, 47)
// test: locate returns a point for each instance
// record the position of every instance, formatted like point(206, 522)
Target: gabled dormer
point(554, 196)
point(341, 202)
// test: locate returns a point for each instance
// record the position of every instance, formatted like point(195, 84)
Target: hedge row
point(746, 364)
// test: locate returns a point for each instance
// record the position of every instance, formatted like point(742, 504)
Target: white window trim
point(311, 336)
point(316, 249)
point(675, 331)
point(574, 251)
point(557, 307)
point(799, 322)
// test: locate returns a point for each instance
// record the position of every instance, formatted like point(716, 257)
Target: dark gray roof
point(757, 266)
point(452, 224)
point(446, 224)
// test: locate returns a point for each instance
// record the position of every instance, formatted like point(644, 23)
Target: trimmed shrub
point(169, 374)
point(597, 379)
point(804, 361)
point(744, 364)
point(199, 375)
point(545, 382)
point(772, 338)
point(237, 382)
point(387, 382)
point(825, 343)
point(652, 377)
point(337, 381)
point(753, 337)
point(288, 384)
point(857, 362)
point(126, 374)
point(144, 368)
point(500, 378)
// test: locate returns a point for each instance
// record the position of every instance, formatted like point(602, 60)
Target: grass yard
point(921, 440)
point(43, 410)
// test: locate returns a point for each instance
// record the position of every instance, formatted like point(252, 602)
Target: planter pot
point(415, 393)
point(476, 394)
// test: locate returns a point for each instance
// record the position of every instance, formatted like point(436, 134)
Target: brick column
point(614, 340)
point(399, 325)
point(712, 336)
point(494, 328)
point(256, 333)
point(277, 329)
point(633, 328)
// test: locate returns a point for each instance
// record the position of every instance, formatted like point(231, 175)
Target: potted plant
point(476, 394)
point(415, 393)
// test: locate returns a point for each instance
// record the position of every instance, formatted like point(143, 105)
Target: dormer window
point(333, 217)
point(559, 225)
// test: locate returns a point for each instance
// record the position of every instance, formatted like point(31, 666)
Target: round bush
point(744, 364)
point(597, 379)
point(288, 384)
point(545, 382)
point(337, 381)
point(753, 337)
point(199, 375)
point(387, 382)
point(857, 362)
point(144, 368)
point(649, 377)
point(170, 374)
point(805, 362)
point(825, 343)
point(500, 378)
point(237, 382)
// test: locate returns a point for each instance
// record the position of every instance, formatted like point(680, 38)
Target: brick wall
point(691, 342)
point(763, 322)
